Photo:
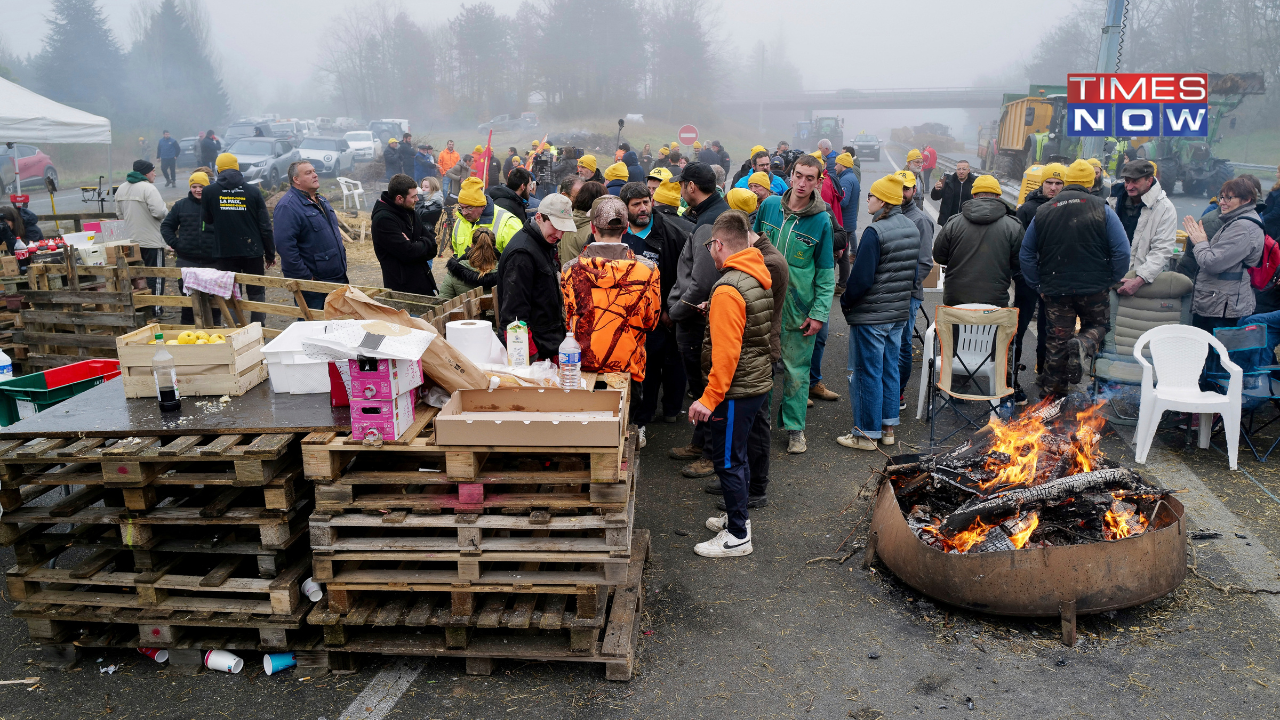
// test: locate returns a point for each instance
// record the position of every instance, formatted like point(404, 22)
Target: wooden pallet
point(155, 627)
point(242, 460)
point(186, 655)
point(483, 629)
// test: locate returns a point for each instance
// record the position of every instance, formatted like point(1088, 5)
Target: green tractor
point(1190, 160)
point(1052, 144)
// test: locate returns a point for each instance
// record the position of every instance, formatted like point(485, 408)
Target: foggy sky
point(927, 43)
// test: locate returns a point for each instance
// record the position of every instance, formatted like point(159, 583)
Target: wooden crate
point(230, 368)
point(482, 628)
point(131, 252)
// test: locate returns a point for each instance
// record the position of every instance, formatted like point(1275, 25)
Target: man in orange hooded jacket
point(739, 372)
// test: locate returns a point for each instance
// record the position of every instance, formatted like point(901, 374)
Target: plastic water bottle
point(570, 364)
point(166, 374)
point(6, 366)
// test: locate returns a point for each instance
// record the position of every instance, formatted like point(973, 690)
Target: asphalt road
point(774, 635)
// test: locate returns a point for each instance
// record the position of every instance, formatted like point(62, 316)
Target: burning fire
point(1021, 440)
point(1028, 526)
point(963, 540)
point(1123, 520)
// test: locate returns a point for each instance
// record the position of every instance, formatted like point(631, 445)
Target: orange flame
point(1122, 520)
point(1019, 439)
point(1020, 538)
point(962, 541)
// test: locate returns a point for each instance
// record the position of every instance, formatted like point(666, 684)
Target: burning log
point(1011, 501)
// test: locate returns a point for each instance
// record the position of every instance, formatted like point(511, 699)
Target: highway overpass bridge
point(849, 99)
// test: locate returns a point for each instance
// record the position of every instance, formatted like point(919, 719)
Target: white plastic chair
point(972, 347)
point(351, 188)
point(1179, 353)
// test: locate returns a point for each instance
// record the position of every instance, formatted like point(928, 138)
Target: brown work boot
point(702, 467)
point(1080, 352)
point(820, 392)
point(688, 452)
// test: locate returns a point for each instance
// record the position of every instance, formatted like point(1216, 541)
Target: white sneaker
point(643, 441)
point(857, 442)
point(724, 544)
point(720, 522)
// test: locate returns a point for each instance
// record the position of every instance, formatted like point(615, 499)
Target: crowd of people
point(697, 277)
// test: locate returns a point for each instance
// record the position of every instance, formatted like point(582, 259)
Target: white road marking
point(383, 692)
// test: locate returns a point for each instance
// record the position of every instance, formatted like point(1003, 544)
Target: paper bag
point(441, 362)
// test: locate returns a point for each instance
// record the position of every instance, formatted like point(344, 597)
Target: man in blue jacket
point(306, 234)
point(167, 152)
point(424, 166)
point(760, 163)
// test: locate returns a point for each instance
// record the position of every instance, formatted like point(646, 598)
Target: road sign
point(688, 135)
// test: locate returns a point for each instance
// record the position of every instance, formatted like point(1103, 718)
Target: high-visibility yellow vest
point(503, 224)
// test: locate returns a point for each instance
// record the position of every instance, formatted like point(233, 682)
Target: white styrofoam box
point(80, 239)
point(91, 254)
point(288, 367)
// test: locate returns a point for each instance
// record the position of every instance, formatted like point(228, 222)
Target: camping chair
point(1247, 346)
point(1167, 301)
point(351, 189)
point(973, 341)
point(917, 328)
point(1178, 355)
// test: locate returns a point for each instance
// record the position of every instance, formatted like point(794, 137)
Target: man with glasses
point(1150, 221)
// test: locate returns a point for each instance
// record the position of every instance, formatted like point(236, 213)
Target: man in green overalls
point(799, 226)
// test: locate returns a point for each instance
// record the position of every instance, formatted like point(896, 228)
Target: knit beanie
point(1079, 173)
point(742, 199)
point(198, 178)
point(668, 193)
point(986, 184)
point(472, 193)
point(697, 145)
point(663, 151)
point(479, 149)
point(1056, 170)
point(1095, 162)
point(914, 154)
point(143, 166)
point(845, 160)
point(759, 178)
point(616, 171)
point(226, 161)
point(588, 162)
point(888, 189)
point(754, 150)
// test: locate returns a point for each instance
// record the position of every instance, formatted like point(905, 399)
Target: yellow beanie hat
point(198, 178)
point(1094, 162)
point(535, 143)
point(697, 145)
point(616, 171)
point(914, 154)
point(907, 177)
point(675, 146)
point(226, 161)
point(844, 160)
point(668, 193)
point(986, 184)
point(742, 199)
point(888, 189)
point(663, 151)
point(759, 178)
point(1056, 170)
point(1079, 173)
point(479, 149)
point(754, 150)
point(588, 162)
point(472, 193)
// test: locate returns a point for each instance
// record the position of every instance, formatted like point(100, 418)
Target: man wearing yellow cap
point(615, 177)
point(192, 241)
point(1072, 253)
point(747, 166)
point(876, 304)
point(243, 238)
point(1099, 186)
point(760, 164)
point(915, 163)
point(980, 248)
point(1052, 179)
point(475, 209)
point(588, 170)
point(656, 177)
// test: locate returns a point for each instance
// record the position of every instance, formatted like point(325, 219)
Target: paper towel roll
point(476, 340)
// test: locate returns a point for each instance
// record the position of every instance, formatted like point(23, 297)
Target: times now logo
point(1138, 104)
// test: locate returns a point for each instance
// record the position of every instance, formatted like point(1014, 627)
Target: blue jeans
point(904, 354)
point(819, 347)
point(873, 376)
point(727, 434)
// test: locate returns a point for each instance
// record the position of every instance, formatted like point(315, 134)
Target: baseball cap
point(660, 173)
point(1138, 169)
point(610, 212)
point(696, 173)
point(557, 208)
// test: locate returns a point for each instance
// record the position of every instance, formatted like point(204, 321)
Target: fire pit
point(1030, 519)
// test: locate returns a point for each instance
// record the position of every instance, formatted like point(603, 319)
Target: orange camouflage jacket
point(612, 299)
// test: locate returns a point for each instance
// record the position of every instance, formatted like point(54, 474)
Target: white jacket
point(1154, 238)
point(140, 206)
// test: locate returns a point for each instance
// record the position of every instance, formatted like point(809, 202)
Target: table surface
point(105, 412)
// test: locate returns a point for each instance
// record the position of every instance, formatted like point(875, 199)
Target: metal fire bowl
point(1036, 582)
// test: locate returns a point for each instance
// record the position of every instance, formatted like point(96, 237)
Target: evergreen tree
point(176, 83)
point(80, 64)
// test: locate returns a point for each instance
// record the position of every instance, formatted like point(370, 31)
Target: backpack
point(1263, 276)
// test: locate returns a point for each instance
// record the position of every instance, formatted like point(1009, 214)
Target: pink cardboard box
point(382, 419)
point(383, 379)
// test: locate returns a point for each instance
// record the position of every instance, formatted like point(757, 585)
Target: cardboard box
point(931, 280)
point(230, 368)
point(383, 419)
point(9, 266)
point(383, 378)
point(532, 417)
point(131, 252)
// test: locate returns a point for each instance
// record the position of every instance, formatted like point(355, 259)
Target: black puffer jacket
point(428, 209)
point(529, 290)
point(241, 223)
point(507, 199)
point(1027, 210)
point(980, 249)
point(184, 230)
point(402, 250)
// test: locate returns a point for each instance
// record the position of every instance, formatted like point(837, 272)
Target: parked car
point(325, 124)
point(384, 130)
point(289, 130)
point(506, 123)
point(328, 155)
point(346, 124)
point(187, 155)
point(265, 159)
point(363, 144)
point(33, 165)
point(243, 128)
point(868, 146)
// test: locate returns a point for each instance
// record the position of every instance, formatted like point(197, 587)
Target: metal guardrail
point(1253, 167)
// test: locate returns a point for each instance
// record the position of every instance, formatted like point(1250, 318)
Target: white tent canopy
point(31, 118)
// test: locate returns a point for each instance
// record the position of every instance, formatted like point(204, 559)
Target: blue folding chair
point(1247, 347)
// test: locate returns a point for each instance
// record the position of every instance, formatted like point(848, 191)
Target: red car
point(33, 164)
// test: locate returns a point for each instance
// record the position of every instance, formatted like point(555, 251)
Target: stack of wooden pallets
point(480, 552)
point(189, 543)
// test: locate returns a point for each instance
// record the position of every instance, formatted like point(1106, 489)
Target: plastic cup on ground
point(223, 661)
point(273, 663)
point(312, 590)
point(157, 654)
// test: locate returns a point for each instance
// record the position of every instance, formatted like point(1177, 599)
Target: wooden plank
point(81, 317)
point(130, 446)
point(268, 445)
point(391, 613)
point(220, 446)
point(221, 503)
point(80, 446)
point(420, 612)
point(260, 607)
point(219, 575)
point(181, 445)
point(77, 501)
point(84, 297)
point(94, 563)
point(39, 447)
point(626, 603)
